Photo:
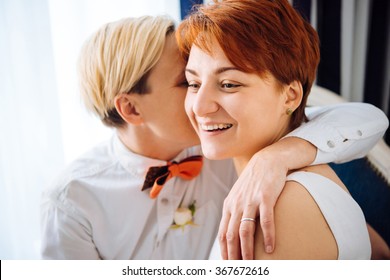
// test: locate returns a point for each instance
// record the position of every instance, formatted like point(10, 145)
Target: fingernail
point(268, 249)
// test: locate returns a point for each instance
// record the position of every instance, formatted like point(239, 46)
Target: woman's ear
point(126, 107)
point(294, 94)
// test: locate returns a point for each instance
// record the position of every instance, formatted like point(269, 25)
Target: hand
point(256, 191)
point(255, 194)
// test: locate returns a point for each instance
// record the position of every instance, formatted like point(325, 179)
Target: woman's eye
point(193, 85)
point(229, 85)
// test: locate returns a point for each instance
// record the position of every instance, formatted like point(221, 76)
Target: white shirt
point(96, 209)
point(336, 129)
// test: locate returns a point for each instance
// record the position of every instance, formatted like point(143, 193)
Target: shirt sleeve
point(65, 234)
point(342, 132)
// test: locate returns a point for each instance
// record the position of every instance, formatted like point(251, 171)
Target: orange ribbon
point(157, 176)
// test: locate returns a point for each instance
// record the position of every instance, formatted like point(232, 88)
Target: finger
point(223, 227)
point(232, 237)
point(246, 233)
point(267, 224)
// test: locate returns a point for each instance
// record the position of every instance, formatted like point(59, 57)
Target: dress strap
point(343, 215)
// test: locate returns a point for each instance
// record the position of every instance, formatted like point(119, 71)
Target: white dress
point(343, 215)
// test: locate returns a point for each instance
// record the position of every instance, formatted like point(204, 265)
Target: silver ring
point(248, 219)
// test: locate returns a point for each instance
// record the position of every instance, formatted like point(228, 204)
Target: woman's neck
point(148, 146)
point(240, 163)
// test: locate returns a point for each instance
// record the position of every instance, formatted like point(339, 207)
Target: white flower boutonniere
point(184, 216)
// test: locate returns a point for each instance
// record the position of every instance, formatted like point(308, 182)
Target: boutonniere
point(184, 216)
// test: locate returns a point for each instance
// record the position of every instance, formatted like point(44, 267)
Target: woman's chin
point(214, 154)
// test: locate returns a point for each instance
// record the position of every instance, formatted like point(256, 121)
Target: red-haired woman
point(251, 65)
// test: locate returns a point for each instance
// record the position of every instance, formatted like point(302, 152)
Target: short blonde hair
point(117, 59)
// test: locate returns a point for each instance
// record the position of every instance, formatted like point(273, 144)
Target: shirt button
point(164, 201)
point(330, 144)
point(359, 132)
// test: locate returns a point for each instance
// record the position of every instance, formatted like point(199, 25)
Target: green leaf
point(192, 208)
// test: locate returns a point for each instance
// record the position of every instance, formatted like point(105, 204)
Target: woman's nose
point(205, 101)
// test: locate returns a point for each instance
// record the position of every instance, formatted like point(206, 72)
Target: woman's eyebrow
point(193, 72)
point(218, 71)
point(225, 69)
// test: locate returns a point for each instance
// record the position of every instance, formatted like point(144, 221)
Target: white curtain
point(355, 15)
point(43, 123)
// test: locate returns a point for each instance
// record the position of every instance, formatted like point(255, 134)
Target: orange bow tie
point(157, 175)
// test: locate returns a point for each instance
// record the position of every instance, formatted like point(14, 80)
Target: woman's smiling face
point(234, 113)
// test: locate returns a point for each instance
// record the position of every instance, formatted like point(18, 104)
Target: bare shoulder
point(301, 230)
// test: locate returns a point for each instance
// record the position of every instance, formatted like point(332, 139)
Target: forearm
point(289, 153)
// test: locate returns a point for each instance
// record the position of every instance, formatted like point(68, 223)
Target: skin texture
point(169, 135)
point(295, 210)
point(215, 101)
point(227, 97)
point(158, 117)
point(236, 238)
point(257, 197)
point(248, 197)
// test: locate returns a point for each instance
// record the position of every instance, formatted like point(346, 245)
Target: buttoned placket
point(332, 144)
point(168, 201)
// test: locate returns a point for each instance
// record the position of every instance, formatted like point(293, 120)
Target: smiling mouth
point(216, 127)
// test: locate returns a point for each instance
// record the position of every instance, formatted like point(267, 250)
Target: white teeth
point(215, 126)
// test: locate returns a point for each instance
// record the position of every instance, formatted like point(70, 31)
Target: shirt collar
point(137, 164)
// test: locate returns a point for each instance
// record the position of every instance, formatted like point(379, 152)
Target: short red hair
point(257, 36)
